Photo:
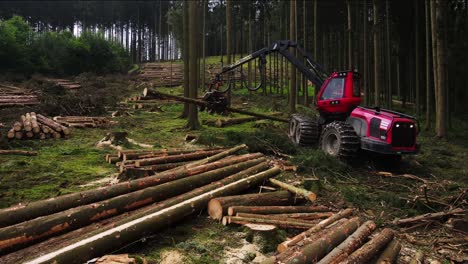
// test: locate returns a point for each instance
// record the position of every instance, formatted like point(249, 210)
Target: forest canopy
point(60, 53)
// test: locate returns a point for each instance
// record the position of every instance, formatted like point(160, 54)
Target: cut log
point(353, 242)
point(390, 254)
point(19, 134)
point(35, 126)
point(299, 191)
point(371, 248)
point(320, 226)
point(18, 126)
point(307, 216)
point(216, 157)
point(280, 223)
point(176, 158)
point(52, 124)
point(428, 216)
point(233, 210)
point(26, 123)
point(23, 234)
point(147, 223)
point(418, 258)
point(218, 207)
point(11, 134)
point(17, 152)
point(274, 217)
point(312, 252)
point(45, 129)
point(163, 152)
point(18, 214)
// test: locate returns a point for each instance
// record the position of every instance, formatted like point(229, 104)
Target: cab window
point(334, 89)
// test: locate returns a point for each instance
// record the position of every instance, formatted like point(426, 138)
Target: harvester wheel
point(303, 130)
point(339, 139)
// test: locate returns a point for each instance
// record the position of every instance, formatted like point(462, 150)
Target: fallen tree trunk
point(202, 103)
point(233, 210)
point(230, 121)
point(176, 158)
point(304, 193)
point(320, 226)
point(218, 207)
point(23, 234)
point(24, 212)
point(371, 248)
point(390, 254)
point(148, 223)
point(353, 242)
point(17, 152)
point(277, 222)
point(314, 251)
point(428, 216)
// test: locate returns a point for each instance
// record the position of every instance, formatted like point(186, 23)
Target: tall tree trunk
point(229, 39)
point(204, 9)
point(434, 54)
point(377, 59)
point(441, 93)
point(429, 90)
point(389, 56)
point(365, 65)
point(304, 36)
point(186, 55)
point(416, 59)
point(250, 50)
point(350, 35)
point(193, 63)
point(292, 34)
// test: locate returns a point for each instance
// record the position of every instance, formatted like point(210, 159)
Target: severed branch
point(428, 216)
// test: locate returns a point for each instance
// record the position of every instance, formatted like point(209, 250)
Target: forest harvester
point(342, 126)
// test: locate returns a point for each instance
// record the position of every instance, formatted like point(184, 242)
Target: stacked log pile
point(339, 238)
point(76, 227)
point(37, 126)
point(141, 163)
point(64, 83)
point(329, 237)
point(84, 121)
point(14, 96)
point(148, 102)
point(167, 75)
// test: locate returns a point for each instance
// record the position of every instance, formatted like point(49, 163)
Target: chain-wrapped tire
point(303, 130)
point(339, 139)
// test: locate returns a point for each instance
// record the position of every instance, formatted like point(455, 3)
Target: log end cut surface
point(215, 209)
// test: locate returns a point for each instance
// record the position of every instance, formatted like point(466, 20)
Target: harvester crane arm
point(312, 70)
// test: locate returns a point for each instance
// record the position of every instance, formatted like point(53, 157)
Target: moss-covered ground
point(67, 165)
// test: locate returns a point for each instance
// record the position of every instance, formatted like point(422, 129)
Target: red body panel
point(388, 121)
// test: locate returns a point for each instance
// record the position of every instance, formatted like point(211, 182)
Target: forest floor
point(64, 166)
